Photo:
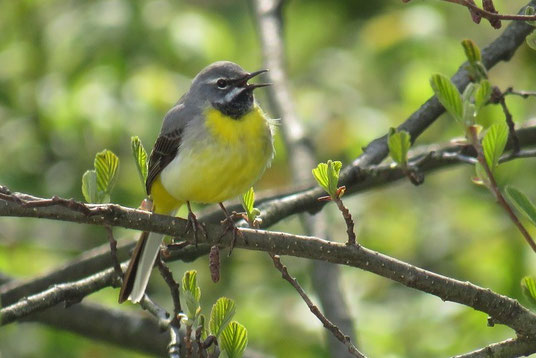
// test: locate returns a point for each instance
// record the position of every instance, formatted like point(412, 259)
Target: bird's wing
point(167, 144)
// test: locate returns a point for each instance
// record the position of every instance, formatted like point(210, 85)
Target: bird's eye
point(221, 83)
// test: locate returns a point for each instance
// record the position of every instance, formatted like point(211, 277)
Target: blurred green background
point(80, 76)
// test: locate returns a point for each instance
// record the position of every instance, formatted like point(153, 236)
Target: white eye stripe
point(232, 93)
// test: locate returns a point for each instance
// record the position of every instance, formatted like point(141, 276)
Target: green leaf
point(89, 187)
point(448, 95)
point(222, 313)
point(399, 143)
point(140, 156)
point(494, 142)
point(234, 340)
point(192, 295)
point(528, 287)
point(522, 203)
point(106, 164)
point(531, 40)
point(320, 173)
point(248, 202)
point(472, 52)
point(327, 176)
point(482, 95)
point(530, 11)
point(334, 168)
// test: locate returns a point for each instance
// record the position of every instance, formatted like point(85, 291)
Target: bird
point(214, 144)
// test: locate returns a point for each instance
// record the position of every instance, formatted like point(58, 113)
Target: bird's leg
point(194, 225)
point(228, 225)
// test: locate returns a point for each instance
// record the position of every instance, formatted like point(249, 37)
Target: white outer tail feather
point(145, 266)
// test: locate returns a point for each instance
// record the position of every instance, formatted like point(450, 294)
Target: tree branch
point(515, 347)
point(344, 339)
point(502, 309)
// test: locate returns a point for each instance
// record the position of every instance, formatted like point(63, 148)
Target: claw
point(229, 225)
point(194, 225)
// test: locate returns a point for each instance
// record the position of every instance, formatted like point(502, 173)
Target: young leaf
point(222, 313)
point(334, 168)
point(448, 95)
point(192, 295)
point(234, 340)
point(89, 186)
point(482, 95)
point(248, 203)
point(399, 143)
point(528, 287)
point(327, 176)
point(494, 142)
point(140, 156)
point(522, 203)
point(106, 164)
point(472, 52)
point(531, 40)
point(320, 173)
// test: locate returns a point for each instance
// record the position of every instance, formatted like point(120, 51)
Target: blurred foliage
point(77, 77)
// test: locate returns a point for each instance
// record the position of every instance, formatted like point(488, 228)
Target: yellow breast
point(225, 163)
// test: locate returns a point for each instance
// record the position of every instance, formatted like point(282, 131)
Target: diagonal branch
point(344, 339)
point(515, 347)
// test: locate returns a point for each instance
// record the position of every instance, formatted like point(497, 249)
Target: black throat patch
point(237, 106)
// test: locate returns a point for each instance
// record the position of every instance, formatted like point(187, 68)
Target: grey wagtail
point(214, 144)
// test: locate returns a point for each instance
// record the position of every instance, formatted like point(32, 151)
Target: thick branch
point(516, 347)
point(502, 309)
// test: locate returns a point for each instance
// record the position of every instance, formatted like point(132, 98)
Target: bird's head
point(224, 85)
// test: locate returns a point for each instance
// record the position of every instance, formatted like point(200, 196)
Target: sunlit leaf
point(192, 295)
point(234, 340)
point(334, 168)
point(494, 143)
point(140, 157)
point(222, 313)
point(106, 164)
point(327, 176)
point(89, 186)
point(528, 287)
point(531, 40)
point(472, 52)
point(320, 173)
point(522, 203)
point(448, 95)
point(399, 143)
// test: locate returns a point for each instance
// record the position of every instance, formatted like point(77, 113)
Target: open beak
point(252, 86)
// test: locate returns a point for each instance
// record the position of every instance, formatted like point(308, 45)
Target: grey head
point(224, 85)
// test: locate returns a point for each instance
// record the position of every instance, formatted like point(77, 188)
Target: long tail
point(140, 267)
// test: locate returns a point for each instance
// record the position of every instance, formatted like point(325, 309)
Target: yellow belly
point(225, 163)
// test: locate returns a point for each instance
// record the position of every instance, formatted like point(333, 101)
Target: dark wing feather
point(164, 150)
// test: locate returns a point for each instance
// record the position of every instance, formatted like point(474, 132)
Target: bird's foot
point(194, 225)
point(229, 226)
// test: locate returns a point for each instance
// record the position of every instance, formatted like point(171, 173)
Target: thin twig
point(496, 191)
point(497, 96)
point(348, 220)
point(326, 322)
point(113, 254)
point(166, 274)
point(492, 15)
point(524, 94)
